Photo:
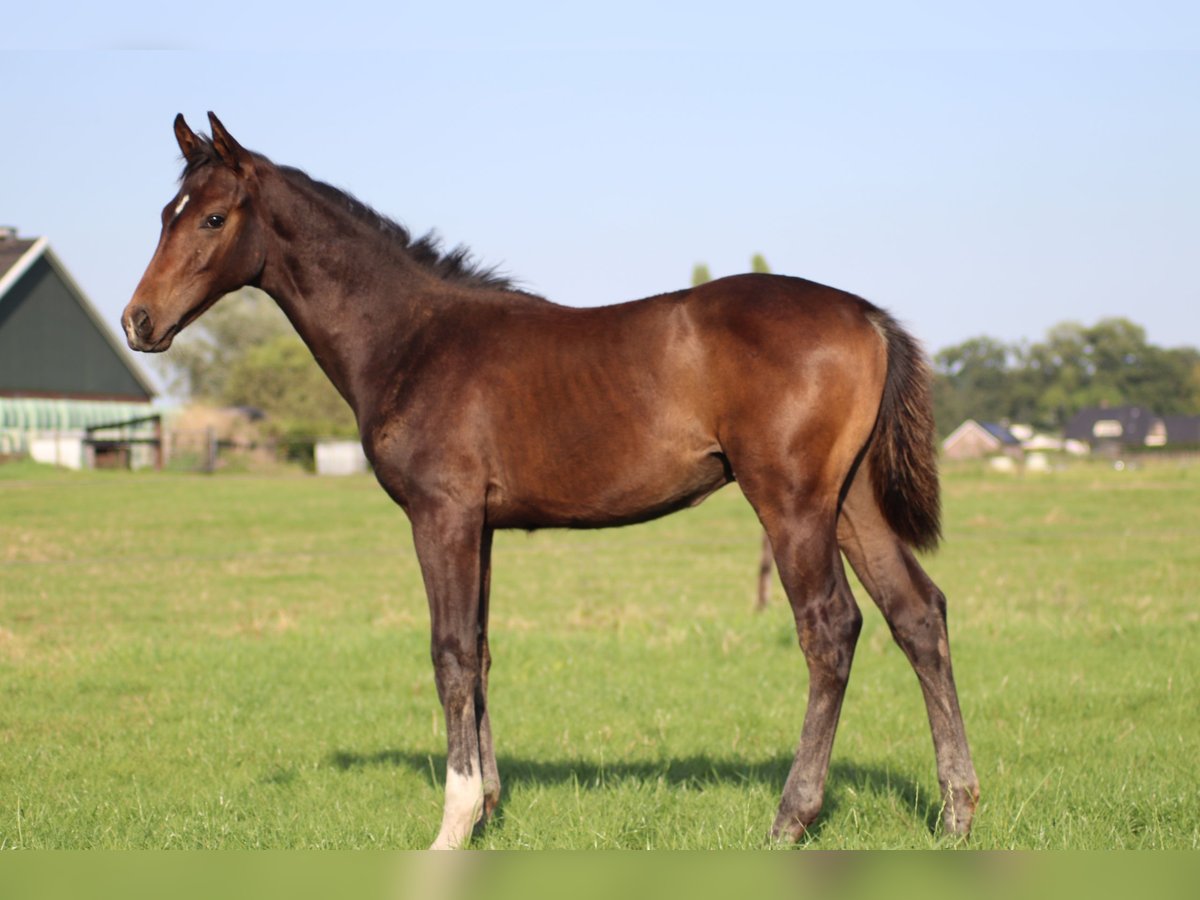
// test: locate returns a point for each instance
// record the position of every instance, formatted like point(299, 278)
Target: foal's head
point(212, 240)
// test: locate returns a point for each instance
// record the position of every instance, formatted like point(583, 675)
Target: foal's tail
point(903, 452)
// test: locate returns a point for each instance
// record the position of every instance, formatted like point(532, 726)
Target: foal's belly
point(606, 492)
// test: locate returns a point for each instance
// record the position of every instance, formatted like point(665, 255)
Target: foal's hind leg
point(766, 566)
point(915, 610)
point(487, 754)
point(802, 531)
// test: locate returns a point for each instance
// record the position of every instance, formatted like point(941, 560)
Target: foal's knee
point(455, 671)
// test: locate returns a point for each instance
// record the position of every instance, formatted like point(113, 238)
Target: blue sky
point(975, 168)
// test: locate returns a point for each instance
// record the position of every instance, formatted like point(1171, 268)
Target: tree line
point(1110, 363)
point(245, 353)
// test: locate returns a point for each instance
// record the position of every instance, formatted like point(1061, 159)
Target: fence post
point(158, 444)
point(210, 452)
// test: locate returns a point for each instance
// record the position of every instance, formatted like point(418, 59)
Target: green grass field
point(242, 661)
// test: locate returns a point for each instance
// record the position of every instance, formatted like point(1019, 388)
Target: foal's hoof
point(958, 809)
point(459, 818)
point(491, 800)
point(789, 829)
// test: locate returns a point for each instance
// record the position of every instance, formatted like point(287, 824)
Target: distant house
point(62, 370)
point(1113, 429)
point(1182, 431)
point(977, 440)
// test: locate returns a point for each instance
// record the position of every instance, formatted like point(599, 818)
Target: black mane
point(457, 264)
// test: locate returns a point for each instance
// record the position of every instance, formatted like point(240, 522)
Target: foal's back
point(610, 415)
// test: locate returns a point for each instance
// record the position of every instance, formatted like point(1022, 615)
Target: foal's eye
point(214, 221)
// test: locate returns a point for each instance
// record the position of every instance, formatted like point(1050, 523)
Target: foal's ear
point(230, 151)
point(188, 142)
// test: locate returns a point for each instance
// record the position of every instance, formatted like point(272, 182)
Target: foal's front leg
point(449, 542)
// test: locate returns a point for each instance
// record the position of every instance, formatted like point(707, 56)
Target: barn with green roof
point(63, 372)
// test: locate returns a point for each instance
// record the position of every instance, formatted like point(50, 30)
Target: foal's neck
point(349, 289)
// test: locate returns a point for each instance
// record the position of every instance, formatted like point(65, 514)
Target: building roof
point(1127, 424)
point(1000, 433)
point(1182, 429)
point(12, 249)
point(993, 431)
point(52, 340)
point(992, 435)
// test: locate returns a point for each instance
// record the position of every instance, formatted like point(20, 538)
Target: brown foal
point(484, 407)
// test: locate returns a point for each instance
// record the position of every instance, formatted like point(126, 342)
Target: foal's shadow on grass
point(696, 772)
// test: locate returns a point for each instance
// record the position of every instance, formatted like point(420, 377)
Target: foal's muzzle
point(139, 328)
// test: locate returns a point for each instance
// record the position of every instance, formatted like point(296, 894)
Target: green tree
point(1164, 380)
point(281, 378)
point(1109, 363)
point(972, 380)
point(758, 263)
point(700, 274)
point(1186, 362)
point(201, 358)
point(244, 352)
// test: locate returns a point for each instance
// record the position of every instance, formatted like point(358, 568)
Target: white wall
point(58, 448)
point(340, 458)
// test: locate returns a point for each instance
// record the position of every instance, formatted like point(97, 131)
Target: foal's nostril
point(141, 322)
